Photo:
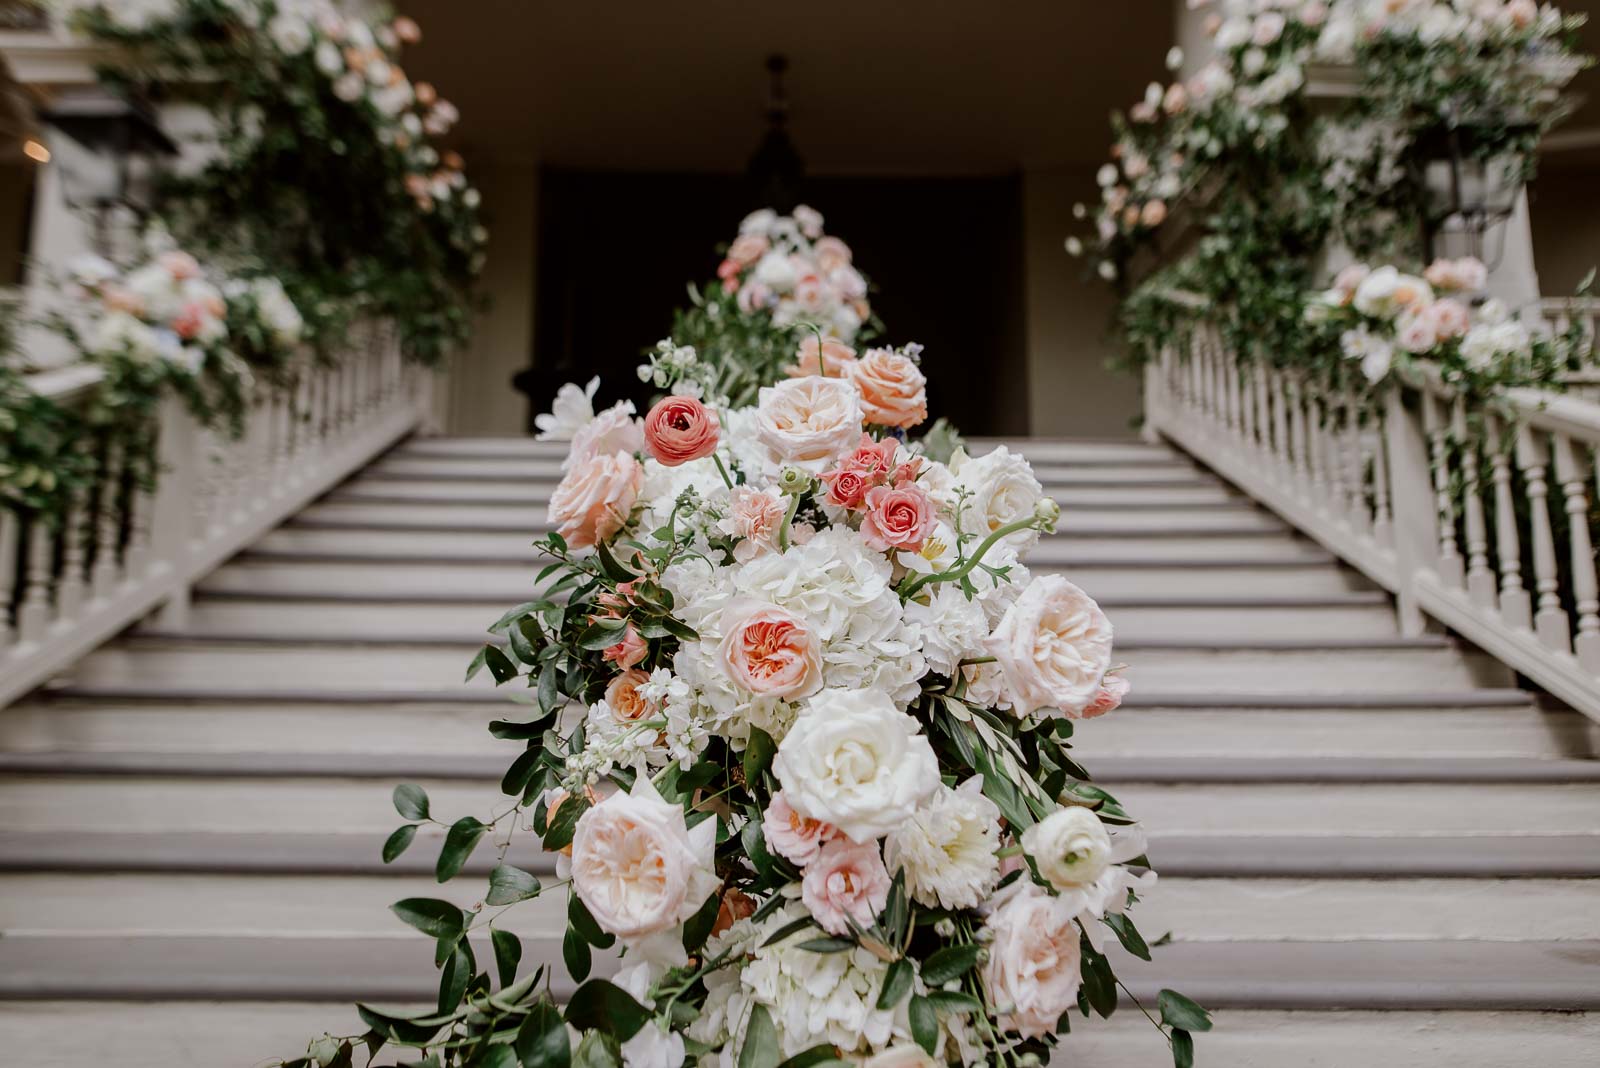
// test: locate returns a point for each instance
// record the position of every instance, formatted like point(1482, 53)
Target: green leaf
point(924, 1023)
point(398, 841)
point(513, 614)
point(697, 928)
point(435, 918)
point(792, 927)
point(949, 963)
point(455, 977)
point(575, 954)
point(459, 842)
point(597, 1050)
point(599, 1005)
point(497, 1057)
point(1127, 934)
point(549, 687)
point(954, 1001)
point(760, 1049)
point(896, 984)
point(609, 565)
point(477, 663)
point(1182, 1049)
point(823, 1056)
point(1099, 982)
point(500, 665)
point(827, 945)
point(583, 922)
point(507, 955)
point(758, 754)
point(521, 770)
point(508, 885)
point(542, 1039)
point(411, 802)
point(1179, 1011)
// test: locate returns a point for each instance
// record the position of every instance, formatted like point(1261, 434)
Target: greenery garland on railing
point(326, 197)
point(1248, 178)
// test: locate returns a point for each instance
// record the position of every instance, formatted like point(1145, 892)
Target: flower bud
point(793, 480)
point(1047, 512)
point(944, 927)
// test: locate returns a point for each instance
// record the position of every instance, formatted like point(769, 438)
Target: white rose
point(1002, 489)
point(1032, 970)
point(637, 867)
point(809, 421)
point(776, 272)
point(1070, 846)
point(1053, 646)
point(856, 761)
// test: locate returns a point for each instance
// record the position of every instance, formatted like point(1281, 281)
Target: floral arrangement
point(1271, 182)
point(1387, 321)
point(798, 735)
point(781, 275)
point(330, 172)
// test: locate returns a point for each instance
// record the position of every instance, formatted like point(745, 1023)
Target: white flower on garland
point(947, 849)
point(572, 411)
point(1373, 353)
point(1001, 489)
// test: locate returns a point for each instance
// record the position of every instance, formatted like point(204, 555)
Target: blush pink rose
point(595, 498)
point(1032, 971)
point(770, 651)
point(796, 838)
point(836, 360)
point(756, 517)
point(680, 429)
point(845, 882)
point(1113, 688)
point(874, 457)
point(897, 518)
point(623, 698)
point(811, 293)
point(747, 249)
point(808, 422)
point(629, 652)
point(180, 265)
point(613, 430)
point(1450, 317)
point(1053, 646)
point(831, 254)
point(894, 391)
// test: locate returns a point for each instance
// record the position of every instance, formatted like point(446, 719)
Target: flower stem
point(723, 471)
point(967, 565)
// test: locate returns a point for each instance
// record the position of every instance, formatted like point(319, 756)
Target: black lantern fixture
point(776, 172)
point(116, 146)
point(1467, 188)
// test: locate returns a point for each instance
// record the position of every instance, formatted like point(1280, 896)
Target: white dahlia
point(947, 849)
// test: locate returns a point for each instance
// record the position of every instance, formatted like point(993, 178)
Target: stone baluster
point(1550, 621)
point(73, 587)
point(1516, 608)
point(33, 614)
point(108, 524)
point(1448, 563)
point(1480, 579)
point(1573, 464)
point(9, 533)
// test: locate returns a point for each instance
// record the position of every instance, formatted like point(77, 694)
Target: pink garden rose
point(747, 249)
point(897, 518)
point(847, 487)
point(894, 391)
point(1416, 333)
point(792, 836)
point(630, 651)
point(1449, 317)
point(770, 651)
point(1032, 971)
point(613, 430)
point(837, 359)
point(595, 498)
point(831, 254)
point(845, 882)
point(1053, 646)
point(1113, 688)
point(680, 429)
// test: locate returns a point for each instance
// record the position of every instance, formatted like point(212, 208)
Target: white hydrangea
point(948, 627)
point(947, 850)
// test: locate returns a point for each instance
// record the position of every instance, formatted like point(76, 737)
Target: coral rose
point(845, 882)
point(1053, 646)
point(680, 429)
point(836, 359)
point(595, 498)
point(796, 838)
point(894, 391)
point(847, 487)
point(770, 651)
point(630, 651)
point(898, 518)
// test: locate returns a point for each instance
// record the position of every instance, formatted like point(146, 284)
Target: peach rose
point(755, 516)
point(897, 518)
point(894, 391)
point(1053, 646)
point(1032, 970)
point(796, 838)
point(624, 699)
point(808, 421)
point(1154, 213)
point(1113, 688)
point(845, 882)
point(747, 249)
point(630, 651)
point(680, 429)
point(837, 359)
point(735, 906)
point(595, 498)
point(770, 651)
point(831, 254)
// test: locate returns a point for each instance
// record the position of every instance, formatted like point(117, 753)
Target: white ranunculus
point(1070, 847)
point(947, 849)
point(856, 761)
point(809, 422)
point(291, 33)
point(776, 272)
point(572, 411)
point(1053, 646)
point(1002, 489)
point(638, 868)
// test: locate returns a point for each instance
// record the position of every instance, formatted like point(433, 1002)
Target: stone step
point(195, 667)
point(251, 573)
point(533, 520)
point(1265, 549)
point(1511, 731)
point(187, 1034)
point(269, 614)
point(311, 804)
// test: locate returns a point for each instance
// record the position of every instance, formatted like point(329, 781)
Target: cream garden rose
point(809, 421)
point(594, 499)
point(770, 651)
point(637, 867)
point(1070, 847)
point(1032, 970)
point(1002, 489)
point(1053, 646)
point(854, 760)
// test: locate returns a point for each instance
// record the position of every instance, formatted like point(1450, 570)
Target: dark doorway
point(615, 251)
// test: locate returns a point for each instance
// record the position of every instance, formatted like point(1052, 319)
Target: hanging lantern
point(112, 148)
point(1466, 188)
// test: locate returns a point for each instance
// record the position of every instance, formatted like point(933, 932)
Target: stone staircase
point(1374, 850)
